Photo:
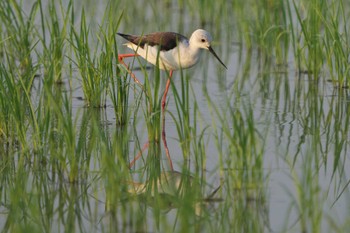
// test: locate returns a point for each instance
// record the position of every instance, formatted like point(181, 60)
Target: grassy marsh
point(261, 147)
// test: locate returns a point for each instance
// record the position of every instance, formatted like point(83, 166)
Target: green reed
point(335, 43)
point(152, 109)
point(94, 85)
point(306, 35)
point(263, 24)
point(18, 115)
point(183, 119)
point(18, 120)
point(54, 47)
point(337, 128)
point(20, 39)
point(118, 82)
point(308, 200)
point(6, 116)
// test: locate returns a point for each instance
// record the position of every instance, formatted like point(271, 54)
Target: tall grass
point(18, 117)
point(183, 119)
point(20, 40)
point(94, 85)
point(263, 25)
point(336, 42)
point(118, 81)
point(54, 49)
point(309, 51)
point(65, 164)
point(319, 34)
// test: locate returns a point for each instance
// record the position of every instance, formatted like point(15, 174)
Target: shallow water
point(300, 126)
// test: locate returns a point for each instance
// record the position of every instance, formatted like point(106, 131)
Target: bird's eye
point(203, 40)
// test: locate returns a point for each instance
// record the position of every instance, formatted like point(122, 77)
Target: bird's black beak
point(213, 52)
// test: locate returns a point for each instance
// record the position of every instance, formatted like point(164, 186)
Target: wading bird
point(170, 51)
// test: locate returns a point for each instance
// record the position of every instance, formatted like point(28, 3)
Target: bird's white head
point(201, 39)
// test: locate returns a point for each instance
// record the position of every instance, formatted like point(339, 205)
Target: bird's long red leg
point(166, 92)
point(163, 120)
point(121, 61)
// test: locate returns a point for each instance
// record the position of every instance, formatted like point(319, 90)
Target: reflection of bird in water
point(170, 183)
point(170, 187)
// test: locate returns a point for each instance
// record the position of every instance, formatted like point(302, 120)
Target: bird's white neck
point(189, 55)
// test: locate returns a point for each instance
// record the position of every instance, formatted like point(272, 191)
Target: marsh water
point(262, 145)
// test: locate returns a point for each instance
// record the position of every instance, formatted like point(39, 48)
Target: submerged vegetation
point(261, 148)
